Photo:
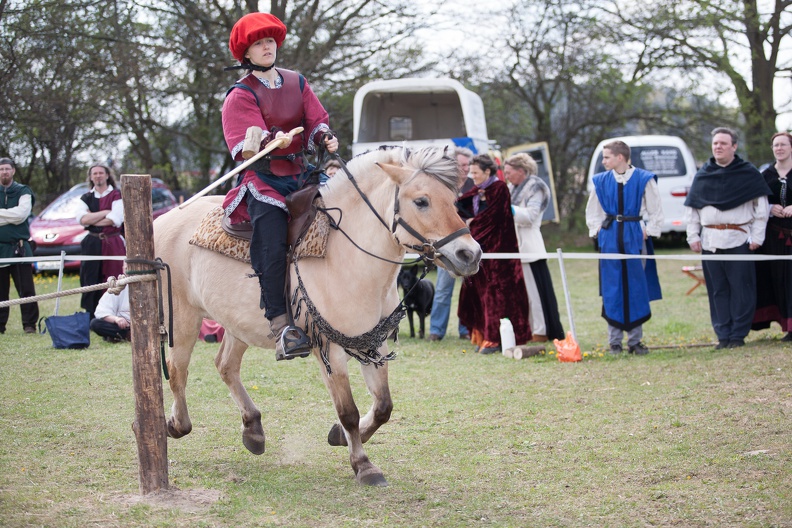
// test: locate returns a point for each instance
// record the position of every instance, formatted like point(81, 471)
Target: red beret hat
point(253, 27)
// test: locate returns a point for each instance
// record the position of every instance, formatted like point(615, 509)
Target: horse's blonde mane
point(432, 161)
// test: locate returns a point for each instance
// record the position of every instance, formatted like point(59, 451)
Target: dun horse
point(391, 201)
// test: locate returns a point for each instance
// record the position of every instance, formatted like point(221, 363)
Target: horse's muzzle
point(460, 260)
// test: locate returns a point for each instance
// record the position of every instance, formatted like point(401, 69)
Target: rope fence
point(121, 281)
point(485, 256)
point(112, 283)
point(619, 256)
point(57, 258)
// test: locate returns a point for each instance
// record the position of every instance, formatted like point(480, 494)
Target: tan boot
point(290, 341)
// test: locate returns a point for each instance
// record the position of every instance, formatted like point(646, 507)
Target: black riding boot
point(268, 258)
point(290, 341)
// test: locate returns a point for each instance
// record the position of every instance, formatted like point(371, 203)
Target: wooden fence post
point(149, 424)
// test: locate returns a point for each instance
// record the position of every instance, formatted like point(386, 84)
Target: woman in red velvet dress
point(497, 291)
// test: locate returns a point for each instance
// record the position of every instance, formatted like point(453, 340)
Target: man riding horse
point(275, 100)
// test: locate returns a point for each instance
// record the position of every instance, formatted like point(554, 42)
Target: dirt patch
point(191, 501)
point(294, 449)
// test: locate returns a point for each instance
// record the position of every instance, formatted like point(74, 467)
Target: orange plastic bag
point(567, 349)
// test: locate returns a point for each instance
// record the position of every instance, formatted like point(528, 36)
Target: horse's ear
point(396, 172)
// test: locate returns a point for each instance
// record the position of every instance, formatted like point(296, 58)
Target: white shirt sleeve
point(760, 215)
point(116, 213)
point(113, 305)
point(107, 306)
point(82, 210)
point(17, 215)
point(693, 220)
point(595, 214)
point(654, 209)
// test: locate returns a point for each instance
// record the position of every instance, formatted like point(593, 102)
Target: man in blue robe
point(622, 197)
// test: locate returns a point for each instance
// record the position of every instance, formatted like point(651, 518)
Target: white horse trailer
point(417, 112)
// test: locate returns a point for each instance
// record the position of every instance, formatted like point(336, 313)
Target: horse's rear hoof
point(336, 436)
point(373, 478)
point(175, 433)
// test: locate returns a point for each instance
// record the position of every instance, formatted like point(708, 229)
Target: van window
point(400, 128)
point(395, 116)
point(662, 161)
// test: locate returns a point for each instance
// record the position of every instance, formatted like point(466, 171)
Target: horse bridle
point(427, 250)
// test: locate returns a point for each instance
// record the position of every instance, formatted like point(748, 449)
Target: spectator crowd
point(731, 209)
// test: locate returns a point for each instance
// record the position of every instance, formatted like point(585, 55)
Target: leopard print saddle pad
point(211, 235)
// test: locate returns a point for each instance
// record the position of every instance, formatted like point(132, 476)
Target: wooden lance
point(250, 139)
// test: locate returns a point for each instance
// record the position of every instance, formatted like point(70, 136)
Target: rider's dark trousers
point(268, 253)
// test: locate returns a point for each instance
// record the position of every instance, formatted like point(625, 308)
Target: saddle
point(307, 236)
point(302, 212)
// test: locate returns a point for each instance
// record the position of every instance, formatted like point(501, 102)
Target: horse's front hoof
point(253, 439)
point(253, 443)
point(175, 433)
point(336, 436)
point(373, 477)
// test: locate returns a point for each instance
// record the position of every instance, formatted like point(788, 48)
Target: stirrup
point(292, 343)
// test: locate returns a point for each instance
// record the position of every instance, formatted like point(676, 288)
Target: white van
point(417, 112)
point(670, 159)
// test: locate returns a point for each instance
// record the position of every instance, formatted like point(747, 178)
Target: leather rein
point(427, 250)
point(390, 324)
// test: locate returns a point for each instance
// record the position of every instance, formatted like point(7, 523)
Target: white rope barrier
point(485, 256)
point(57, 258)
point(619, 256)
point(112, 283)
point(119, 283)
point(561, 256)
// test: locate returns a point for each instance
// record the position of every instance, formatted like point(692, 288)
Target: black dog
point(417, 299)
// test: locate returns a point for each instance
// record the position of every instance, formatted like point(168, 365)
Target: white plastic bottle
point(506, 334)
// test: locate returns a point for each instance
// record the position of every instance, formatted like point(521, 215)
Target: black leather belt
point(263, 164)
point(102, 236)
point(619, 218)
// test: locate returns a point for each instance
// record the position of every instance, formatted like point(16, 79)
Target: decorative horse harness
point(363, 347)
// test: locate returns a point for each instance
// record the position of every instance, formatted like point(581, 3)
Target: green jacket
point(11, 234)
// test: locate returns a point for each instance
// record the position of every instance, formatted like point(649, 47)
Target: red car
point(56, 230)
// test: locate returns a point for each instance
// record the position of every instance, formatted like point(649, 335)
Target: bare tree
point(560, 84)
point(738, 40)
point(48, 85)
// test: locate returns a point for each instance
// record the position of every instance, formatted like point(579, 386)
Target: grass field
point(685, 436)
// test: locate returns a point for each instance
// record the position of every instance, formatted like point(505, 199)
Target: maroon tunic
point(283, 108)
point(497, 291)
point(111, 240)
